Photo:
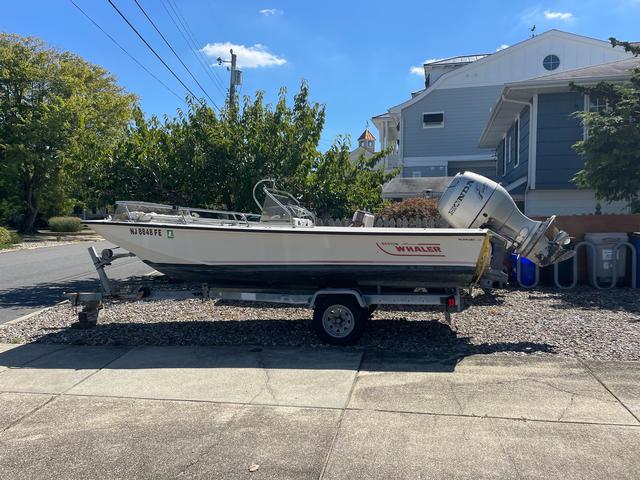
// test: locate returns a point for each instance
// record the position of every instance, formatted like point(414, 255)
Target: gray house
point(532, 129)
point(436, 132)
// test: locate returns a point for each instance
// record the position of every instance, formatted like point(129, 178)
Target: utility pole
point(232, 78)
point(235, 75)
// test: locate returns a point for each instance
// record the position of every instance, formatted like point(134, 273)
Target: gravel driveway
point(585, 323)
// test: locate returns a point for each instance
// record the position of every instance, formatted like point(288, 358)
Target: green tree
point(612, 147)
point(336, 187)
point(59, 116)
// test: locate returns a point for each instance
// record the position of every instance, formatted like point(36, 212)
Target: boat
point(283, 248)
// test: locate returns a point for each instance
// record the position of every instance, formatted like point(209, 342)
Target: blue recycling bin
point(634, 239)
point(527, 271)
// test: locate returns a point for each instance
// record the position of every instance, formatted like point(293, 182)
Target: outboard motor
point(474, 201)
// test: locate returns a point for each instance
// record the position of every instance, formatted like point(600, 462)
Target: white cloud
point(249, 57)
point(419, 69)
point(535, 15)
point(271, 12)
point(502, 47)
point(565, 16)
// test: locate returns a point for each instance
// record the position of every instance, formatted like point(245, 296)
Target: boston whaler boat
point(283, 250)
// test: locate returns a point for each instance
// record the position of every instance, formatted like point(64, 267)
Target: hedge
point(8, 238)
point(65, 224)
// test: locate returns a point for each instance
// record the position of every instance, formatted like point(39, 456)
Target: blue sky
point(357, 56)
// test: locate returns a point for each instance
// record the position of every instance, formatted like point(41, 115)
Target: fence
point(393, 222)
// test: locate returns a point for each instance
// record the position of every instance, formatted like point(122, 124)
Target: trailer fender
point(337, 291)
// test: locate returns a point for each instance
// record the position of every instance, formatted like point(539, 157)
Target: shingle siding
point(486, 168)
point(425, 171)
point(524, 136)
point(558, 130)
point(466, 111)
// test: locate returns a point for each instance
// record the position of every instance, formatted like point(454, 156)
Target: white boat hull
point(317, 257)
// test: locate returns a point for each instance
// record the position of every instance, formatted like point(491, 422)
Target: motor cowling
point(474, 201)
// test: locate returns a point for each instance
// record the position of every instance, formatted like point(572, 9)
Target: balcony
point(392, 162)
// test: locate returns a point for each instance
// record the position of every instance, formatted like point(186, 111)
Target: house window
point(517, 143)
point(416, 173)
point(551, 62)
point(433, 120)
point(509, 148)
point(597, 104)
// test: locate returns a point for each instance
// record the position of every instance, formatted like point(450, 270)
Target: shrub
point(5, 236)
point(410, 208)
point(8, 237)
point(65, 224)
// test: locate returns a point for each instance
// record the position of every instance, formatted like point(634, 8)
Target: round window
point(551, 62)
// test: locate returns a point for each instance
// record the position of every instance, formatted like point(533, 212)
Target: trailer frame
point(344, 309)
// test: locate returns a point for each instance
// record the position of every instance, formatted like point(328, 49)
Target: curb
point(32, 314)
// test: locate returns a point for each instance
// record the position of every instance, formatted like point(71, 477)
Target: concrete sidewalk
point(212, 412)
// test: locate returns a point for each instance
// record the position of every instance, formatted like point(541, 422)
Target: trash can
point(527, 271)
point(634, 239)
point(606, 256)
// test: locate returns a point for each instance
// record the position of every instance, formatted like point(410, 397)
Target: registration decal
point(144, 231)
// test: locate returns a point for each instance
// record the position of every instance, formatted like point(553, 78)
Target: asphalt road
point(33, 279)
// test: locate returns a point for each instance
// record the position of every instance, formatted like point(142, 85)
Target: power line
point(126, 52)
point(174, 52)
point(183, 29)
point(151, 48)
point(195, 41)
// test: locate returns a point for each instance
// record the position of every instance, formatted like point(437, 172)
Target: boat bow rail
point(147, 212)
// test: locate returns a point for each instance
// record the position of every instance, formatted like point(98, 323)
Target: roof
point(516, 95)
point(457, 60)
point(400, 186)
point(619, 69)
point(366, 135)
point(513, 49)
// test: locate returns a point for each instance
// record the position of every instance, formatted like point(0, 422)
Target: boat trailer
point(339, 314)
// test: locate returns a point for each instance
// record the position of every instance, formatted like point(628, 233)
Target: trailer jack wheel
point(339, 320)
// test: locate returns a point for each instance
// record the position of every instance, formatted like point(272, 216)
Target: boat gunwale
point(327, 230)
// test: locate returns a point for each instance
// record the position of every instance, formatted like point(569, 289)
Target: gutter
point(521, 102)
point(541, 83)
point(494, 112)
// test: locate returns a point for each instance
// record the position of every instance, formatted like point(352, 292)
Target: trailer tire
point(339, 319)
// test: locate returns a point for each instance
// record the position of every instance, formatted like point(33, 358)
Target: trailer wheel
point(339, 320)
